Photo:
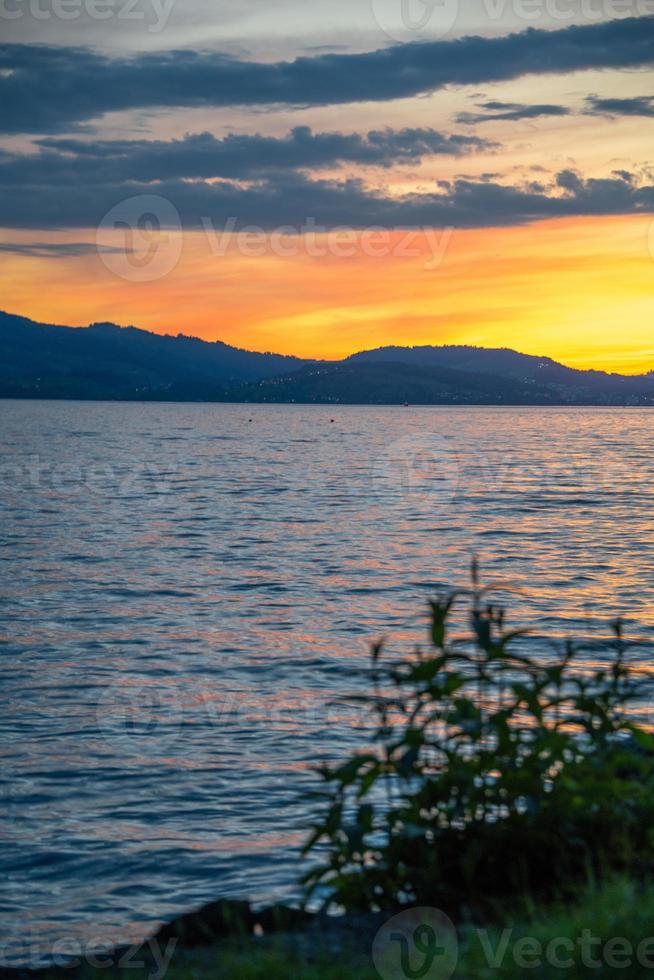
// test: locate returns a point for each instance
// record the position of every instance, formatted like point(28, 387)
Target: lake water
point(186, 588)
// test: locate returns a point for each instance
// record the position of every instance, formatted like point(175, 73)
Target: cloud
point(509, 111)
point(57, 250)
point(89, 84)
point(642, 105)
point(202, 156)
point(292, 199)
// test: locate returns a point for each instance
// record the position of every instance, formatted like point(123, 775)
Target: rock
point(281, 918)
point(229, 918)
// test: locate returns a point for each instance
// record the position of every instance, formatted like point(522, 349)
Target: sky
point(319, 179)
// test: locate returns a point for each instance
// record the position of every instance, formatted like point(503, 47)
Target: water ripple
point(185, 595)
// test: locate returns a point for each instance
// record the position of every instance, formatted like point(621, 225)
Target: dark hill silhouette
point(363, 382)
point(499, 361)
point(382, 383)
point(104, 361)
point(107, 361)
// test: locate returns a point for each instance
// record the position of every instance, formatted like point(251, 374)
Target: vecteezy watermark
point(421, 470)
point(154, 15)
point(133, 716)
point(564, 952)
point(425, 471)
point(31, 473)
point(140, 239)
point(150, 957)
point(565, 11)
point(422, 944)
point(148, 230)
point(419, 944)
point(412, 20)
point(320, 242)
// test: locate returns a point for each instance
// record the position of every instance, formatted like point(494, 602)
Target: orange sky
point(578, 290)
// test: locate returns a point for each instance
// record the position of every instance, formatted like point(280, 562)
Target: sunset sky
point(320, 178)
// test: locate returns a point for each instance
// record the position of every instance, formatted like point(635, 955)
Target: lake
point(187, 589)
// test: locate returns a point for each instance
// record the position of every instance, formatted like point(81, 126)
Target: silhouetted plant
point(494, 774)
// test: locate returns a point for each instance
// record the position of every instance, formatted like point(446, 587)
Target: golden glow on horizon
point(578, 290)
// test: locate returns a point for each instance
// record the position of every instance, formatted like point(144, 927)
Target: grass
point(599, 936)
point(616, 919)
point(274, 965)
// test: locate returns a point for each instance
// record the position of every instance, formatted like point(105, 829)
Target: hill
point(363, 382)
point(507, 362)
point(105, 361)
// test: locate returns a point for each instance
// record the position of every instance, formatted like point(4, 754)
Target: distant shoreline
point(106, 363)
point(318, 404)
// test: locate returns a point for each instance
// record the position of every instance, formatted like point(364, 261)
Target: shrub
point(495, 774)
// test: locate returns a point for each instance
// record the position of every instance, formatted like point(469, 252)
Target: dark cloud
point(625, 175)
point(202, 156)
point(292, 199)
point(510, 111)
point(642, 105)
point(58, 250)
point(49, 89)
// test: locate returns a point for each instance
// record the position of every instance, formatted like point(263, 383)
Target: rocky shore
point(231, 924)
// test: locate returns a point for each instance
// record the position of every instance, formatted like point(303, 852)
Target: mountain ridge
point(112, 362)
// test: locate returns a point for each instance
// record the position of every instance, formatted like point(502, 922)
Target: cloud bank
point(90, 84)
point(203, 156)
point(292, 199)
